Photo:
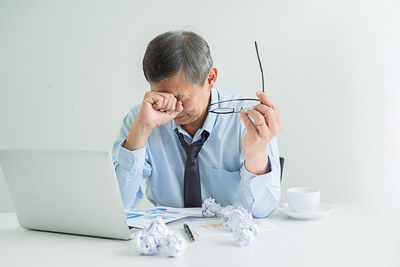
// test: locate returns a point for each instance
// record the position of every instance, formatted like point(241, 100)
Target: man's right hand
point(157, 109)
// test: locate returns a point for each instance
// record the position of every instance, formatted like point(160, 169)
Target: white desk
point(348, 236)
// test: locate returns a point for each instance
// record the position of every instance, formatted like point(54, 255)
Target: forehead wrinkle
point(177, 85)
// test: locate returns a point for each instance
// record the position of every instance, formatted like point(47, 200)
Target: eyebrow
point(180, 96)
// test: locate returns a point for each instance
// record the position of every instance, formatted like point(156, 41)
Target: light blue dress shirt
point(157, 170)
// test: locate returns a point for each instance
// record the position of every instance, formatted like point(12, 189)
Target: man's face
point(195, 98)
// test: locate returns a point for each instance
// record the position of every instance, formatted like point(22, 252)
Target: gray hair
point(175, 51)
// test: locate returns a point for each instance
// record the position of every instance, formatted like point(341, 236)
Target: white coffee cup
point(303, 199)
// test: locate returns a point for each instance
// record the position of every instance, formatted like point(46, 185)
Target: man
point(187, 152)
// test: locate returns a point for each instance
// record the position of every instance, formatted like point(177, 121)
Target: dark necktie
point(191, 182)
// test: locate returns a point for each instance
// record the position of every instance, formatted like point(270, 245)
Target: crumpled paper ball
point(210, 208)
point(157, 238)
point(238, 219)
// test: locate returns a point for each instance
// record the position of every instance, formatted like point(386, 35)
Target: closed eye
point(182, 99)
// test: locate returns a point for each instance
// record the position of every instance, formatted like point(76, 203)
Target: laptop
point(65, 191)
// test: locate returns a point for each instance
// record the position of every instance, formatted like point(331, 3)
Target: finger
point(261, 108)
point(178, 108)
point(251, 129)
point(159, 101)
point(156, 101)
point(173, 105)
point(167, 103)
point(264, 109)
point(259, 122)
point(272, 123)
point(158, 104)
point(264, 99)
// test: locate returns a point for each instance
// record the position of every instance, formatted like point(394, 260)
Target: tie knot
point(192, 150)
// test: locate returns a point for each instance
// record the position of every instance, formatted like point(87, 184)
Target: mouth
point(179, 117)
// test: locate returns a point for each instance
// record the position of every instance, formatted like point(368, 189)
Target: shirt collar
point(208, 123)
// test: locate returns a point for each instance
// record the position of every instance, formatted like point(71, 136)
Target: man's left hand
point(266, 124)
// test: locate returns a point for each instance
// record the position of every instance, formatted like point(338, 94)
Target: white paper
point(214, 226)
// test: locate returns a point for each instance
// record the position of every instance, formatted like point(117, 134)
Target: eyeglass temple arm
point(259, 62)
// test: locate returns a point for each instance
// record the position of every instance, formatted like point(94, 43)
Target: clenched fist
point(157, 109)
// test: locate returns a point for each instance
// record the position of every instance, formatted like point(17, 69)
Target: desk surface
point(349, 236)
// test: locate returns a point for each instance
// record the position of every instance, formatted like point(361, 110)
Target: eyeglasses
point(236, 105)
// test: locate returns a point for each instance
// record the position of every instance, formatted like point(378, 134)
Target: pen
point(188, 232)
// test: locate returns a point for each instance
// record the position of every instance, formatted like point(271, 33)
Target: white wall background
point(70, 70)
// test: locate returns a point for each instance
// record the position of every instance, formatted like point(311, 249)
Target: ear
point(211, 78)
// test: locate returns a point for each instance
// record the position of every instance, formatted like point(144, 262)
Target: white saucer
point(321, 211)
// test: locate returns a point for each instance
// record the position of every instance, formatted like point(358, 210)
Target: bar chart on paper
point(214, 226)
point(141, 217)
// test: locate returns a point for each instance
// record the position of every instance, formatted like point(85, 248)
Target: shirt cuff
point(250, 175)
point(253, 181)
point(128, 159)
point(253, 187)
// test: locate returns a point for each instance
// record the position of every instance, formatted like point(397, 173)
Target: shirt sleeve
point(131, 167)
point(261, 194)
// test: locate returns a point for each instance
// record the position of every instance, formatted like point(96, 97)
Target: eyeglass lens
point(235, 106)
